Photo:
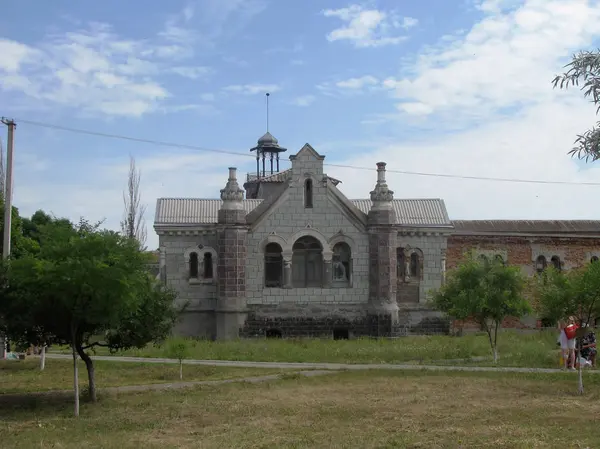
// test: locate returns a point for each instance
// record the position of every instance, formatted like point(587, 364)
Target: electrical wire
point(352, 167)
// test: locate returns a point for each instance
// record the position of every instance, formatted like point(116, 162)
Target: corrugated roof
point(419, 212)
point(192, 210)
point(527, 226)
point(414, 212)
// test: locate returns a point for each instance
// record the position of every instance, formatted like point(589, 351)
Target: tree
point(584, 71)
point(575, 293)
point(178, 349)
point(86, 288)
point(486, 291)
point(134, 224)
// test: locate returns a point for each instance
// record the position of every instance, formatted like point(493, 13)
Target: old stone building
point(290, 255)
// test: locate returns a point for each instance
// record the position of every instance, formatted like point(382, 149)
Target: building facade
point(290, 255)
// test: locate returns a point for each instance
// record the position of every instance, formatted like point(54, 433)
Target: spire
point(267, 148)
point(381, 196)
point(232, 195)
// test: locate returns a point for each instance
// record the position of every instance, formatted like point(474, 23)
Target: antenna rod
point(268, 111)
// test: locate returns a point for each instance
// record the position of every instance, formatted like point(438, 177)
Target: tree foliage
point(575, 293)
point(86, 287)
point(584, 72)
point(485, 291)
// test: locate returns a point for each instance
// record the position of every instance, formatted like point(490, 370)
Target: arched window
point(400, 264)
point(414, 266)
point(308, 194)
point(555, 262)
point(341, 264)
point(499, 259)
point(273, 265)
point(594, 259)
point(208, 266)
point(193, 265)
point(540, 264)
point(307, 262)
point(482, 258)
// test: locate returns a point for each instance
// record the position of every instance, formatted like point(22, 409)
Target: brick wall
point(521, 251)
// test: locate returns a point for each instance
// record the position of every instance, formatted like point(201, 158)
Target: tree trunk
point(75, 379)
point(89, 364)
point(43, 358)
point(181, 370)
point(492, 345)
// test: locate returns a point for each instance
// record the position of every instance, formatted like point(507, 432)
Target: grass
point(25, 376)
point(516, 349)
point(366, 410)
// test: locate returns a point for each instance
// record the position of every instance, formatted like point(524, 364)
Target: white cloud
point(505, 60)
point(95, 71)
point(192, 72)
point(304, 100)
point(368, 27)
point(357, 83)
point(252, 89)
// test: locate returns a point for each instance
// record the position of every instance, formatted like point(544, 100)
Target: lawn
point(516, 349)
point(25, 376)
point(365, 410)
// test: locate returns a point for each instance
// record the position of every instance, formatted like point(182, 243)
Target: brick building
point(291, 255)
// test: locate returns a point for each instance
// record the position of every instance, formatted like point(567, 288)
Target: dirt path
point(320, 366)
point(4, 398)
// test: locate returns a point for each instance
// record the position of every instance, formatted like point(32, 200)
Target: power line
point(352, 167)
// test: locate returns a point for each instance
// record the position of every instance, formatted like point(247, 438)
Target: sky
point(447, 87)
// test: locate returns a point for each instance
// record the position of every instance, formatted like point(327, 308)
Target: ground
point(25, 376)
point(373, 409)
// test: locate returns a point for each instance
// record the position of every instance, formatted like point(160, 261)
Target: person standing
point(568, 332)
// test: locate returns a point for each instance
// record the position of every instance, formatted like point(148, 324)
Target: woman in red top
point(567, 341)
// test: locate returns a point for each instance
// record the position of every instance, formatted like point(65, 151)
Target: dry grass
point(25, 376)
point(348, 410)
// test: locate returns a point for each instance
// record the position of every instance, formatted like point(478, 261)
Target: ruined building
point(290, 255)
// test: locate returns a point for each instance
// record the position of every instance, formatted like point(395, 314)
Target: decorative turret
point(382, 210)
point(381, 196)
point(232, 237)
point(232, 210)
point(267, 148)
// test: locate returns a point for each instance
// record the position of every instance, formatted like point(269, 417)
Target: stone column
point(287, 273)
point(162, 265)
point(231, 307)
point(443, 263)
point(327, 267)
point(383, 241)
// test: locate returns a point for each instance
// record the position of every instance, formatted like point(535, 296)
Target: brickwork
point(521, 251)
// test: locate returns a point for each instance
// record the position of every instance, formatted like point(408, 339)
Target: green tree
point(584, 72)
point(178, 348)
point(88, 287)
point(560, 294)
point(486, 291)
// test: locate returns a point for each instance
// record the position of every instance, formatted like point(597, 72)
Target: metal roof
point(414, 212)
point(527, 226)
point(184, 211)
point(192, 210)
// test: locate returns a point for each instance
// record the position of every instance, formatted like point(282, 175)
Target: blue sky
point(439, 86)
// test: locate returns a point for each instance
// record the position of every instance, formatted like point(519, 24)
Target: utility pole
point(7, 204)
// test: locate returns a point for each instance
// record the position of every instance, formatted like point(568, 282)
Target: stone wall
point(289, 220)
point(200, 295)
